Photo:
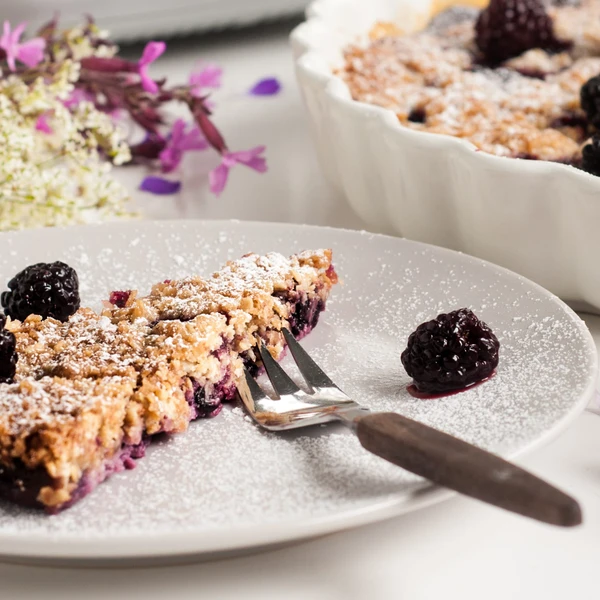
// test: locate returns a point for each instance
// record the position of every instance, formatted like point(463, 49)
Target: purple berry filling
point(253, 368)
point(22, 485)
point(123, 461)
point(304, 312)
point(206, 407)
point(119, 299)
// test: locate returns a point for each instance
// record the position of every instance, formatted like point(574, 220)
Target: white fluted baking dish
point(540, 219)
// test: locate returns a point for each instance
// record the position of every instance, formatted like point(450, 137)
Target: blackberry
point(451, 352)
point(590, 100)
point(206, 407)
point(590, 161)
point(45, 289)
point(508, 28)
point(8, 353)
point(417, 115)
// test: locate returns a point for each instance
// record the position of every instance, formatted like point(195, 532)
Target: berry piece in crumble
point(45, 289)
point(508, 28)
point(8, 353)
point(590, 100)
point(591, 156)
point(451, 352)
point(119, 299)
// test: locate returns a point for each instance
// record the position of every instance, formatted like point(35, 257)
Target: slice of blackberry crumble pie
point(90, 392)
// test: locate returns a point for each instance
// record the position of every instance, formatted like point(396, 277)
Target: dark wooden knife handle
point(462, 467)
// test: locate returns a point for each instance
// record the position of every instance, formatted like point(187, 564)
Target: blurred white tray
point(139, 19)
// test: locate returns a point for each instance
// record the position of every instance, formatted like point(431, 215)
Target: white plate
point(227, 487)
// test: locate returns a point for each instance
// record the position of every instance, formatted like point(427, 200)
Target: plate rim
point(47, 548)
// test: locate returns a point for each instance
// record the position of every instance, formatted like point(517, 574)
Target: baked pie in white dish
point(465, 124)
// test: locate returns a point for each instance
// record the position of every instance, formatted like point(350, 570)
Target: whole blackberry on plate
point(590, 100)
point(8, 353)
point(508, 28)
point(45, 289)
point(451, 352)
point(590, 160)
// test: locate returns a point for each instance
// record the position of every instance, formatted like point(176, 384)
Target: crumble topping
point(87, 345)
point(241, 285)
point(249, 291)
point(525, 108)
point(32, 405)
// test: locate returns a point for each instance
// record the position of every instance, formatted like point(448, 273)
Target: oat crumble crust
point(87, 388)
point(529, 107)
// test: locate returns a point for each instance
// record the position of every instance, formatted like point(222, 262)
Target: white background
point(459, 549)
point(134, 19)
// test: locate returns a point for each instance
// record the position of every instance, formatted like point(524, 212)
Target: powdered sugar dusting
point(30, 404)
point(268, 273)
point(226, 472)
point(87, 345)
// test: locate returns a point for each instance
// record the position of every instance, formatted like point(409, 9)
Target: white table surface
point(457, 549)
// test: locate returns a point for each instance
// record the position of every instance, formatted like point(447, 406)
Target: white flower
point(61, 177)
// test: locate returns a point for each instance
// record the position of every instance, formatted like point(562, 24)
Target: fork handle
point(457, 465)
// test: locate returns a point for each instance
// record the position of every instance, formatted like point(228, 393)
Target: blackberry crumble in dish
point(516, 78)
point(85, 396)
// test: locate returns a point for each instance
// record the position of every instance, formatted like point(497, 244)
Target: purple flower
point(251, 158)
point(148, 149)
point(42, 124)
point(78, 95)
point(109, 65)
point(180, 142)
point(160, 186)
point(265, 87)
point(29, 53)
point(151, 52)
point(210, 132)
point(208, 77)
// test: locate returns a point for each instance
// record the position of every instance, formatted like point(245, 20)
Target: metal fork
point(418, 448)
